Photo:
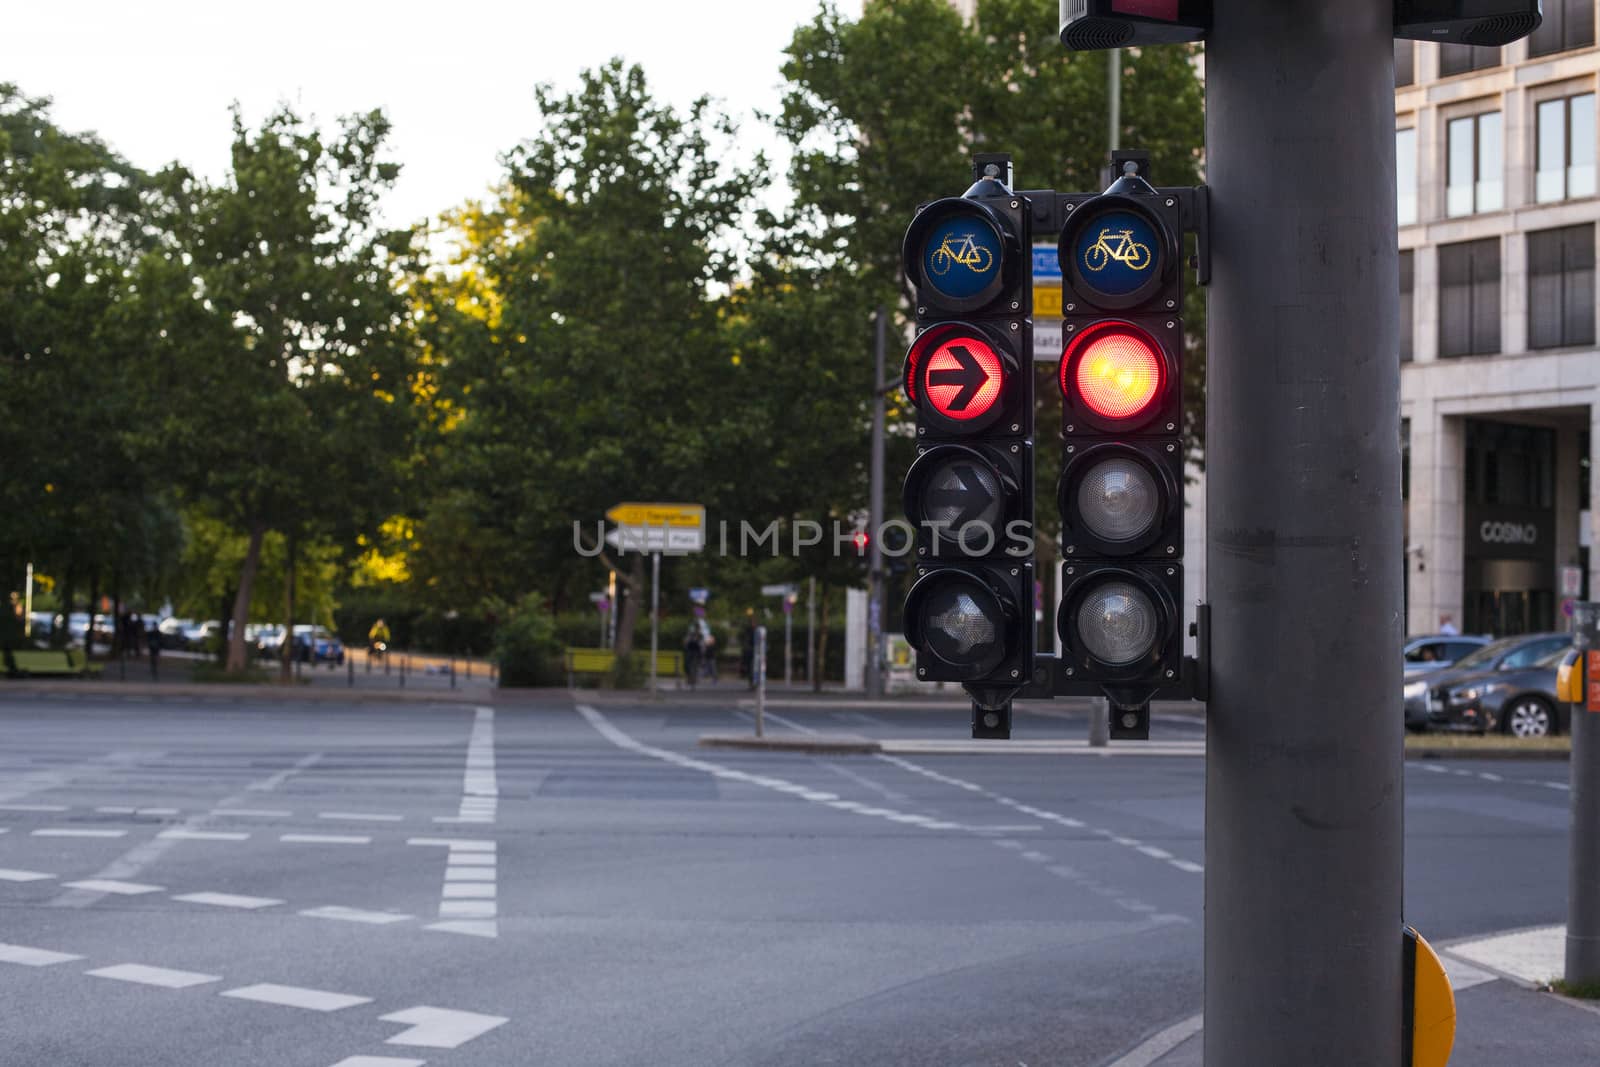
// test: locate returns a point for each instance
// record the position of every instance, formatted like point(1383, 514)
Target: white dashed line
point(359, 816)
point(252, 813)
point(1185, 865)
point(440, 1027)
point(202, 835)
point(228, 900)
point(9, 875)
point(111, 885)
point(455, 844)
point(33, 957)
point(1486, 776)
point(156, 976)
point(325, 839)
point(378, 1061)
point(34, 807)
point(355, 915)
point(1155, 853)
point(64, 832)
point(296, 997)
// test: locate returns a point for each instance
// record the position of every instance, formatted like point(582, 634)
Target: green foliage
point(526, 647)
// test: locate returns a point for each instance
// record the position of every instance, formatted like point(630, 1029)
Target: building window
point(1472, 173)
point(1561, 287)
point(1407, 323)
point(1469, 298)
point(1405, 172)
point(1461, 58)
point(1566, 149)
point(1405, 70)
point(1567, 24)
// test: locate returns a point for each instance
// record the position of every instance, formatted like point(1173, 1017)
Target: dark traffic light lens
point(962, 625)
point(1118, 623)
point(959, 492)
point(1118, 499)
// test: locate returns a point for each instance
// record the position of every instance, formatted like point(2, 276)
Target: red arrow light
point(957, 376)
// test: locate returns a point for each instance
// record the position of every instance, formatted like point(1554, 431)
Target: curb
point(837, 744)
point(1504, 753)
point(235, 694)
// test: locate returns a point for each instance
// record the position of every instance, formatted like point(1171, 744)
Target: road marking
point(378, 1061)
point(359, 816)
point(290, 996)
point(33, 957)
point(461, 844)
point(466, 909)
point(325, 839)
point(480, 789)
point(269, 784)
point(471, 927)
point(157, 811)
point(112, 885)
point(460, 891)
point(1161, 1043)
point(440, 1027)
point(1486, 776)
point(64, 832)
point(1155, 853)
point(202, 835)
point(156, 976)
point(228, 900)
point(115, 809)
point(10, 875)
point(252, 813)
point(1185, 865)
point(355, 915)
point(453, 873)
point(33, 807)
point(472, 859)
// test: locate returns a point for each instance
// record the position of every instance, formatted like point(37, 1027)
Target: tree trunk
point(286, 650)
point(238, 657)
point(822, 642)
point(634, 583)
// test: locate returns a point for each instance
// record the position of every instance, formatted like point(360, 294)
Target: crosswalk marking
point(355, 915)
point(203, 835)
point(469, 891)
point(69, 832)
point(325, 839)
point(156, 976)
point(458, 874)
point(440, 1027)
point(9, 875)
point(33, 957)
point(360, 816)
point(296, 997)
point(472, 859)
point(455, 844)
point(228, 900)
point(466, 909)
point(111, 885)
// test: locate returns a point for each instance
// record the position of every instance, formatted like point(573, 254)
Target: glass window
point(1473, 166)
point(1567, 24)
point(1461, 58)
point(1561, 287)
point(1407, 323)
point(1405, 171)
point(1566, 149)
point(1469, 298)
point(1404, 65)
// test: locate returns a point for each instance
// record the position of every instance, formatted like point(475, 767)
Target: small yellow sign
point(680, 515)
point(1047, 300)
point(1431, 1004)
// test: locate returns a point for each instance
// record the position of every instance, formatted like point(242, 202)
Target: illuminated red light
point(1117, 373)
point(963, 378)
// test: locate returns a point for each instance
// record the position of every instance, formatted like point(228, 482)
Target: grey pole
point(1114, 97)
point(1304, 773)
point(1099, 722)
point(811, 631)
point(1583, 897)
point(759, 665)
point(874, 685)
point(788, 629)
point(655, 619)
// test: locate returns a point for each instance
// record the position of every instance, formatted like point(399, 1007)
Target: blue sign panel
point(1046, 262)
point(961, 256)
point(1116, 252)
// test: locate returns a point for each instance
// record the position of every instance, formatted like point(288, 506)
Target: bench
point(33, 662)
point(602, 661)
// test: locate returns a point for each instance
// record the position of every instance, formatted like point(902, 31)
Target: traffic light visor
point(1115, 370)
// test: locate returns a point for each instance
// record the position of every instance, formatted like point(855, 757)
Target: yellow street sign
point(658, 515)
point(1047, 300)
point(1430, 1005)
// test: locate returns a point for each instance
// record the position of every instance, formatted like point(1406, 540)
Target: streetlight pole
point(1304, 772)
point(874, 686)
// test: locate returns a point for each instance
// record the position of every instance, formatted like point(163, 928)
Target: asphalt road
point(574, 881)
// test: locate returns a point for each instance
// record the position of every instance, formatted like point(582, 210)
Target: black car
point(1508, 685)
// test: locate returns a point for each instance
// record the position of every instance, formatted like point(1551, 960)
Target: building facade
point(1500, 369)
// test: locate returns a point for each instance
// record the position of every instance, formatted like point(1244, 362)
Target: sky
point(155, 79)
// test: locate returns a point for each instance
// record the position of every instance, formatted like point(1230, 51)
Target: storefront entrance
point(1509, 495)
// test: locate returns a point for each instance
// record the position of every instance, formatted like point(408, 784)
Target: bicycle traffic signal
point(1121, 487)
point(969, 493)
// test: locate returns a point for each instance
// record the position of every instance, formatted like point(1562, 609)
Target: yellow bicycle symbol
point(1119, 246)
point(964, 251)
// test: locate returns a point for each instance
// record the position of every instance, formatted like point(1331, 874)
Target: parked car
point(269, 640)
point(1432, 652)
point(1508, 685)
point(195, 635)
point(317, 645)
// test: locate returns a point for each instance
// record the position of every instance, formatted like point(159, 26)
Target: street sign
point(784, 589)
point(1046, 291)
point(676, 515)
point(597, 598)
point(1571, 581)
point(669, 539)
point(699, 596)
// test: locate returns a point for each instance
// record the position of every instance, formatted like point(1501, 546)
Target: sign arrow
point(968, 374)
point(961, 487)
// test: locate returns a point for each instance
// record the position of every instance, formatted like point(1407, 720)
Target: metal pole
point(1099, 722)
point(759, 665)
point(27, 604)
point(1304, 773)
point(788, 660)
point(874, 680)
point(811, 631)
point(1583, 897)
point(655, 621)
point(1114, 97)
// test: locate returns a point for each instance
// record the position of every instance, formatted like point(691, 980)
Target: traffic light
point(969, 493)
point(1121, 487)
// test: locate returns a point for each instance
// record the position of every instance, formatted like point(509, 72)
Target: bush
point(526, 646)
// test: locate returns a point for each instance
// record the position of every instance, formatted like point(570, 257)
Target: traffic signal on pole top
point(1121, 488)
point(969, 493)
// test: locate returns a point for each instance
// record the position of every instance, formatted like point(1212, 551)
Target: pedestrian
point(1447, 625)
point(708, 652)
point(691, 654)
point(747, 648)
point(152, 642)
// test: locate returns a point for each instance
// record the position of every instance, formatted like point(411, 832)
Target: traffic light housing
point(1121, 488)
point(969, 492)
